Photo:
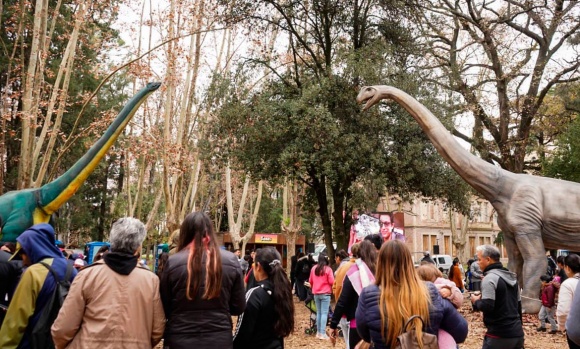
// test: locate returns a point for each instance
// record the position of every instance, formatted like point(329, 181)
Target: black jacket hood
point(121, 263)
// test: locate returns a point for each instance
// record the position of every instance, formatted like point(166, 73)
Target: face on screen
point(386, 225)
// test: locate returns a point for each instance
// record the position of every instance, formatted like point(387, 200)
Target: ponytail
point(269, 259)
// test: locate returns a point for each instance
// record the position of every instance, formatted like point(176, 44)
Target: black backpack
point(41, 337)
point(306, 268)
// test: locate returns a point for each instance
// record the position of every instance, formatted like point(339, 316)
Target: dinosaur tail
point(57, 192)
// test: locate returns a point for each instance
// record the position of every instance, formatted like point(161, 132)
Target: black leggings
point(504, 343)
point(353, 337)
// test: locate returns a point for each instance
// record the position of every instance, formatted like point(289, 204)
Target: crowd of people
point(116, 302)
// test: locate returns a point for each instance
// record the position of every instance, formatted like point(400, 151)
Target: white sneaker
point(318, 336)
point(324, 337)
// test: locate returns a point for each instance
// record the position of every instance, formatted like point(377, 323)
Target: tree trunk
point(172, 221)
point(459, 237)
point(235, 224)
point(243, 250)
point(29, 101)
point(319, 187)
point(338, 215)
point(291, 248)
point(65, 68)
point(291, 221)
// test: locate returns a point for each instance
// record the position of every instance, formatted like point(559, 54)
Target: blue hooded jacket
point(35, 287)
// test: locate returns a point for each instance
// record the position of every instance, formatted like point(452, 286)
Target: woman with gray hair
point(114, 302)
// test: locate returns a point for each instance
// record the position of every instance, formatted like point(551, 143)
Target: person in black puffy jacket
point(269, 314)
point(397, 283)
point(201, 288)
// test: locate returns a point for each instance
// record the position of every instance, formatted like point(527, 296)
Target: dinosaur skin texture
point(535, 213)
point(20, 209)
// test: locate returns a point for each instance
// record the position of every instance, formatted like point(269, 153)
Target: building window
point(424, 210)
point(472, 246)
point(449, 248)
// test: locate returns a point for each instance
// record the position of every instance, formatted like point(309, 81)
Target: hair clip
point(274, 262)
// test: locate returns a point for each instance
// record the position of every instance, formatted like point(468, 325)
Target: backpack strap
point(67, 275)
point(405, 327)
point(51, 270)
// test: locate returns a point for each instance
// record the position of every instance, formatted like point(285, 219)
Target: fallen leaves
point(533, 338)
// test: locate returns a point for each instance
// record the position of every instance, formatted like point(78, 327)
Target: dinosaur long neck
point(481, 175)
point(57, 192)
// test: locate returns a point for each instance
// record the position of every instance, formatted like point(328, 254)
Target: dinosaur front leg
point(515, 259)
point(531, 246)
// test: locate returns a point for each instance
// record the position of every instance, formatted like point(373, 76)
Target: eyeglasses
point(385, 223)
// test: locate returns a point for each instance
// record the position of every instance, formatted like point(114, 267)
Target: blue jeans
point(322, 302)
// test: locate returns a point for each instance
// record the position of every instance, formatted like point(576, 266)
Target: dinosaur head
point(152, 86)
point(371, 95)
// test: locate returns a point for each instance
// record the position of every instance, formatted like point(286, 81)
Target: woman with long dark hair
point(321, 280)
point(269, 314)
point(358, 276)
point(201, 288)
point(398, 294)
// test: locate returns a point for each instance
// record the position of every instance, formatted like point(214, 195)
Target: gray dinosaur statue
point(535, 213)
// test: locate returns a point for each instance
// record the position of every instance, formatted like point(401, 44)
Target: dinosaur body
point(21, 209)
point(535, 213)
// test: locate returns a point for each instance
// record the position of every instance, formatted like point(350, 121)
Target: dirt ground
point(534, 339)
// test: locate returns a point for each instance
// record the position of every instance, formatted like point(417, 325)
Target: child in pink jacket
point(321, 281)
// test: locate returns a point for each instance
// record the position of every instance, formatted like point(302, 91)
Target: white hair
point(489, 251)
point(127, 235)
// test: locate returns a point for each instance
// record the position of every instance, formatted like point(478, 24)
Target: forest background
point(256, 121)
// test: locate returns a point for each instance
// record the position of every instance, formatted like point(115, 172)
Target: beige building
point(427, 225)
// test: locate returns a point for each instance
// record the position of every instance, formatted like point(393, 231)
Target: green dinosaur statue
point(20, 209)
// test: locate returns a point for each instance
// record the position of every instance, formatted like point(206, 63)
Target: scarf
point(360, 276)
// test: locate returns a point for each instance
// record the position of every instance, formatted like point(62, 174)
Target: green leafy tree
point(268, 220)
point(319, 136)
point(565, 161)
point(304, 123)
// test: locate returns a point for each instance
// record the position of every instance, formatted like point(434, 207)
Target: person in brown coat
point(456, 275)
point(113, 303)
